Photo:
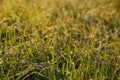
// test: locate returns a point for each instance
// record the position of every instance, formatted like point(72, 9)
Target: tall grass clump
point(59, 40)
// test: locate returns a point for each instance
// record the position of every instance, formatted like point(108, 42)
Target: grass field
point(59, 40)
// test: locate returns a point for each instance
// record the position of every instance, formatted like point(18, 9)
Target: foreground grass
point(59, 40)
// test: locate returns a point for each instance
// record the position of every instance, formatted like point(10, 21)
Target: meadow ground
point(59, 40)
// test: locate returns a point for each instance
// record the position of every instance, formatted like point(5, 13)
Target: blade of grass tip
point(53, 57)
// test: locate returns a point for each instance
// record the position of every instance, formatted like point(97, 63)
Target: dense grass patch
point(59, 40)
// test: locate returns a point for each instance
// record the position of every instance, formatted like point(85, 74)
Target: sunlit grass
point(59, 40)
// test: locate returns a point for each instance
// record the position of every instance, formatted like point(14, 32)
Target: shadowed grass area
point(59, 40)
